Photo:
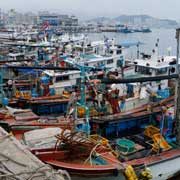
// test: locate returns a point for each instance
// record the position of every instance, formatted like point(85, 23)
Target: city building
point(54, 19)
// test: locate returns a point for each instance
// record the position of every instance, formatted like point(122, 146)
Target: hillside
point(142, 20)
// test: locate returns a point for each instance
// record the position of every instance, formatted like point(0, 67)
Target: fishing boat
point(126, 30)
point(19, 121)
point(81, 157)
point(93, 158)
point(130, 29)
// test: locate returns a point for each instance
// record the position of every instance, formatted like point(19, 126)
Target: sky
point(92, 8)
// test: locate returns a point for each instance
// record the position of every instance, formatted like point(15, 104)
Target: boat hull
point(165, 170)
point(58, 159)
point(162, 166)
point(94, 172)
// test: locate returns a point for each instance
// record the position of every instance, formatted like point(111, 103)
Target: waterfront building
point(55, 19)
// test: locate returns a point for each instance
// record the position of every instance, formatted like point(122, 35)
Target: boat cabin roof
point(98, 58)
point(163, 62)
point(16, 54)
point(97, 43)
point(64, 73)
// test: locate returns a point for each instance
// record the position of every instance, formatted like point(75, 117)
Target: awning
point(29, 71)
point(129, 44)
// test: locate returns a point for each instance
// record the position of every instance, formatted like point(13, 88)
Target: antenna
point(157, 47)
point(169, 49)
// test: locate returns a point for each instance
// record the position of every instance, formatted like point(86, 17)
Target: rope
point(37, 171)
point(73, 139)
point(90, 156)
point(4, 171)
point(64, 173)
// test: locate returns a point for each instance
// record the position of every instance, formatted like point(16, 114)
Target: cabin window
point(119, 51)
point(111, 52)
point(100, 64)
point(144, 70)
point(119, 63)
point(62, 78)
point(78, 81)
point(110, 61)
point(162, 71)
point(172, 70)
point(136, 68)
point(20, 57)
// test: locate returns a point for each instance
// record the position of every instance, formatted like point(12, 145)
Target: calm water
point(166, 39)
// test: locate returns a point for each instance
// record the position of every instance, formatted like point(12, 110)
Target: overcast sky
point(92, 8)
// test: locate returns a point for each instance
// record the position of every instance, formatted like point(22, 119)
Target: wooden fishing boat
point(122, 123)
point(81, 157)
point(20, 121)
point(163, 166)
point(40, 105)
point(25, 120)
point(74, 164)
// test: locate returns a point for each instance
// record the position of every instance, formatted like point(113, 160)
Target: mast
point(157, 48)
point(177, 92)
point(83, 69)
point(138, 50)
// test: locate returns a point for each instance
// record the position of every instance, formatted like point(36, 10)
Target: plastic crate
point(150, 131)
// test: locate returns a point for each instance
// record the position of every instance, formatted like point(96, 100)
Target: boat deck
point(143, 151)
point(135, 113)
point(164, 156)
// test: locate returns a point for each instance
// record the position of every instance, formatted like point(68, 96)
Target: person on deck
point(10, 87)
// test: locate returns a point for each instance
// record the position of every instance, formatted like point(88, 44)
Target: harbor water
point(166, 40)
